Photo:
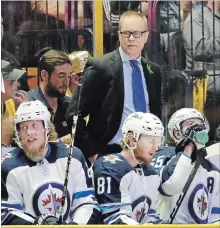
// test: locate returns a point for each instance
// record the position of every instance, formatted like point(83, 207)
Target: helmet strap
point(47, 137)
point(131, 150)
point(133, 156)
point(177, 134)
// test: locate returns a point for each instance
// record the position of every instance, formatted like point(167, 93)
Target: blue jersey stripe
point(151, 211)
point(109, 208)
point(16, 206)
point(3, 216)
point(112, 217)
point(154, 216)
point(82, 194)
point(215, 210)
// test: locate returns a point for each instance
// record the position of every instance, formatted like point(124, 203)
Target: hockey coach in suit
point(109, 93)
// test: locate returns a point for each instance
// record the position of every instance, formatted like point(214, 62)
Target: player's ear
point(177, 134)
point(132, 143)
point(130, 139)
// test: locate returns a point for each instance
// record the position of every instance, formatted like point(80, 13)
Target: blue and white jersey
point(201, 204)
point(162, 156)
point(213, 154)
point(12, 216)
point(36, 188)
point(126, 194)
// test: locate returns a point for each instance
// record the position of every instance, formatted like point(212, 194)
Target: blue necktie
point(138, 89)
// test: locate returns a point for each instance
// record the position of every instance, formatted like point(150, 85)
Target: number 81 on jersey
point(104, 185)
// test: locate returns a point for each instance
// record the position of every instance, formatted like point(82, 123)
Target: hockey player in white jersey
point(125, 183)
point(33, 175)
point(201, 205)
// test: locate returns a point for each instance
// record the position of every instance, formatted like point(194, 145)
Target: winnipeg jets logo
point(140, 214)
point(202, 204)
point(7, 155)
point(198, 204)
point(112, 159)
point(52, 203)
point(47, 200)
point(140, 207)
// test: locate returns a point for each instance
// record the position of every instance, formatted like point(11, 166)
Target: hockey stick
point(69, 158)
point(198, 162)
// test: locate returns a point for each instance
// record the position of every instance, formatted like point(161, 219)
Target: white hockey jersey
point(36, 188)
point(201, 204)
point(213, 154)
point(126, 195)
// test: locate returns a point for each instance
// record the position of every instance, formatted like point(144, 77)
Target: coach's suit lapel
point(117, 70)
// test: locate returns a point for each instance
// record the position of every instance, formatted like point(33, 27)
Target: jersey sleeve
point(10, 216)
point(84, 208)
point(111, 188)
point(11, 196)
point(11, 199)
point(175, 175)
point(214, 216)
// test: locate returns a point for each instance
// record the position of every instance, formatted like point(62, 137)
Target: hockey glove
point(160, 221)
point(46, 219)
point(196, 134)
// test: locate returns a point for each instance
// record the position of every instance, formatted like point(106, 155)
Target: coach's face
point(132, 44)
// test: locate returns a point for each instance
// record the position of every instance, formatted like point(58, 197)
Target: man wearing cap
point(11, 98)
point(10, 76)
point(79, 60)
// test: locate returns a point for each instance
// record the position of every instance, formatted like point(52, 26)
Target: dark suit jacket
point(102, 98)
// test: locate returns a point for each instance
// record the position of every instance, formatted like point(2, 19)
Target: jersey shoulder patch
point(112, 165)
point(13, 159)
point(112, 158)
